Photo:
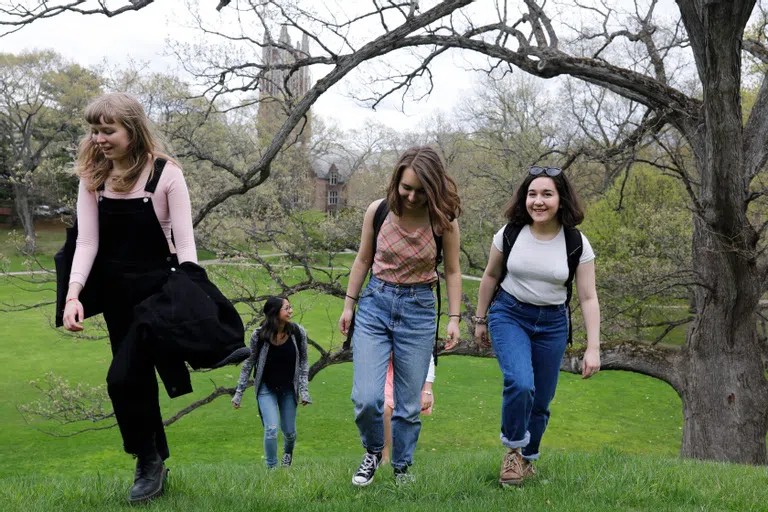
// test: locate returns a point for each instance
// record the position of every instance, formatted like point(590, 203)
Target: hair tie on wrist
point(351, 297)
point(71, 298)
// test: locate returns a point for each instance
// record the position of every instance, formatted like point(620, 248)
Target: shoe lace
point(369, 463)
point(404, 478)
point(512, 461)
point(143, 467)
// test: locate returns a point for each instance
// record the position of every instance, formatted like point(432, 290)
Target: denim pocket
point(367, 292)
point(425, 298)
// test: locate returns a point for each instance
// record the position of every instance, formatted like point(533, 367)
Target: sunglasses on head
point(550, 171)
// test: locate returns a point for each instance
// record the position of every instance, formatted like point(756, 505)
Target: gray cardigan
point(301, 374)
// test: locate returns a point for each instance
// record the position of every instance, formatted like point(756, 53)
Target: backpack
point(378, 220)
point(573, 249)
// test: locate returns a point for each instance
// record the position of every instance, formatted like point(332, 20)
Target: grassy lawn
point(460, 480)
point(624, 411)
point(50, 238)
point(611, 444)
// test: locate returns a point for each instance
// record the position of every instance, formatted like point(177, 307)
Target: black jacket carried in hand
point(190, 320)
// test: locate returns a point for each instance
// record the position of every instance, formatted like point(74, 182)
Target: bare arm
point(360, 267)
point(590, 307)
point(488, 283)
point(451, 242)
point(490, 279)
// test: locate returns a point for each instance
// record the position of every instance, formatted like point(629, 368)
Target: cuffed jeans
point(529, 342)
point(275, 407)
point(397, 319)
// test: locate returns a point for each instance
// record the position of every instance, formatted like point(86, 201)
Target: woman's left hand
point(453, 334)
point(426, 400)
point(590, 365)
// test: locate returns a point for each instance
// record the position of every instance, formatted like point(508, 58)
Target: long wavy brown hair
point(442, 197)
point(118, 107)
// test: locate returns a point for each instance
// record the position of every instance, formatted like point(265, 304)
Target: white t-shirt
point(537, 269)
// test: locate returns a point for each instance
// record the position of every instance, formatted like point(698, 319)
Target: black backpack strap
point(511, 232)
point(438, 260)
point(156, 173)
point(573, 247)
point(378, 220)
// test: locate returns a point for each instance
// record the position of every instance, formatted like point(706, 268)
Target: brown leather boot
point(512, 471)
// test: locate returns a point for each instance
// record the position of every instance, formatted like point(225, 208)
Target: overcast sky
point(141, 36)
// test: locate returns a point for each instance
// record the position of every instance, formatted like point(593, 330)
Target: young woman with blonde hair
point(132, 194)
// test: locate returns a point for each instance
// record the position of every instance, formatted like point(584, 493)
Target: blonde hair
point(119, 107)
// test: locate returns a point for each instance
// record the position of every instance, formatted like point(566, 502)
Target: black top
point(280, 366)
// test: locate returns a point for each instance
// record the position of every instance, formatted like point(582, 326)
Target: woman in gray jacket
point(279, 354)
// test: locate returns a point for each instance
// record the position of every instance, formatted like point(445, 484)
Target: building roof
point(345, 165)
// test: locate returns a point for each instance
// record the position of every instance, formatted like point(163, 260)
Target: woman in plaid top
point(396, 310)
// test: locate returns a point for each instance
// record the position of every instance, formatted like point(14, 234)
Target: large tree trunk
point(724, 389)
point(724, 392)
point(24, 213)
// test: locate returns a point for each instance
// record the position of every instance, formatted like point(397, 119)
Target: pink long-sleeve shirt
point(172, 207)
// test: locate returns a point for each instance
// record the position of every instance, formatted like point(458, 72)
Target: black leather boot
point(150, 477)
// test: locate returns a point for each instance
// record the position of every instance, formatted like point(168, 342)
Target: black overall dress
point(133, 262)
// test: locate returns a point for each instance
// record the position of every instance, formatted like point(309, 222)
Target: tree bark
point(725, 392)
point(24, 213)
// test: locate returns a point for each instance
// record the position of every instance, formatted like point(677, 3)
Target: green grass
point(50, 238)
point(631, 413)
point(597, 428)
point(458, 480)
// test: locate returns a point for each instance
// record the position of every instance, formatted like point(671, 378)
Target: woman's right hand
point(481, 335)
point(345, 321)
point(73, 315)
point(236, 405)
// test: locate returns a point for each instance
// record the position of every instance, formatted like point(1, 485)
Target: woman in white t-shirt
point(528, 317)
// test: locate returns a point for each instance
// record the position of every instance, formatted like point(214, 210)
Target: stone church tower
point(279, 89)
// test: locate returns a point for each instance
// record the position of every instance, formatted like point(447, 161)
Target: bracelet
point(482, 320)
point(427, 392)
point(71, 298)
point(454, 316)
point(351, 297)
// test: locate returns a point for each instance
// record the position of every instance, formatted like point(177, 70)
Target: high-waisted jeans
point(398, 319)
point(529, 342)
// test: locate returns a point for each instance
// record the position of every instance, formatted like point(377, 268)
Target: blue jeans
point(269, 405)
point(529, 342)
point(398, 319)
